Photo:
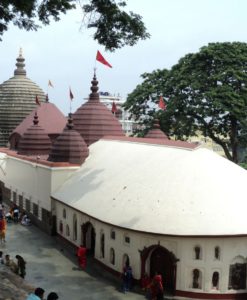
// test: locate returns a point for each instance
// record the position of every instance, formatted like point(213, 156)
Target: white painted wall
point(231, 248)
point(33, 180)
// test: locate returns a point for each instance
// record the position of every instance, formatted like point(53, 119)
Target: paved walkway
point(55, 269)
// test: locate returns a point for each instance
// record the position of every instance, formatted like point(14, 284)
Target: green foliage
point(206, 92)
point(114, 27)
point(243, 165)
point(25, 13)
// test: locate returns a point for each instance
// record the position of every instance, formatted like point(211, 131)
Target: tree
point(114, 27)
point(206, 92)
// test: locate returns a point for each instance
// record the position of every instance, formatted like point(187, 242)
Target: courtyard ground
point(53, 267)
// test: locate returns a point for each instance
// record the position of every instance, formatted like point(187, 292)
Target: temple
point(160, 205)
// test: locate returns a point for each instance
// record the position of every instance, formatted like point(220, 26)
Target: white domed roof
point(160, 189)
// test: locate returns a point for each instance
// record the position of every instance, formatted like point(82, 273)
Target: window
point(45, 216)
point(67, 230)
point(127, 239)
point(75, 227)
point(197, 278)
point(21, 202)
point(35, 210)
point(126, 260)
point(113, 234)
point(197, 252)
point(112, 256)
point(61, 227)
point(217, 253)
point(64, 213)
point(14, 197)
point(215, 280)
point(102, 245)
point(28, 205)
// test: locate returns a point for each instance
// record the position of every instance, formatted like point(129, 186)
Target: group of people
point(14, 215)
point(18, 267)
point(153, 288)
point(39, 294)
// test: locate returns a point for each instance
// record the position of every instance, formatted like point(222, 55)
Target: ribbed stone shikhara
point(156, 132)
point(17, 100)
point(69, 146)
point(93, 120)
point(35, 141)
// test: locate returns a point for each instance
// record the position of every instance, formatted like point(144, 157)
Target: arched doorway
point(159, 260)
point(88, 237)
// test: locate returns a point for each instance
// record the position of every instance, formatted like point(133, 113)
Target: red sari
point(81, 254)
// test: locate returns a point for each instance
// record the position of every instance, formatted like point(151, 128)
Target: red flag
point(162, 104)
point(101, 59)
point(37, 100)
point(114, 107)
point(71, 94)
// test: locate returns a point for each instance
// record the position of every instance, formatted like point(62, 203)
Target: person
point(52, 296)
point(127, 278)
point(37, 295)
point(157, 290)
point(21, 266)
point(25, 220)
point(145, 285)
point(81, 254)
point(11, 264)
point(2, 229)
point(8, 217)
point(16, 214)
point(1, 258)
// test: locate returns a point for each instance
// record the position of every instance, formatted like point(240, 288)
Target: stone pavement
point(54, 268)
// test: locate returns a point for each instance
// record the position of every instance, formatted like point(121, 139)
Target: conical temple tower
point(69, 146)
point(17, 100)
point(35, 141)
point(93, 120)
point(156, 132)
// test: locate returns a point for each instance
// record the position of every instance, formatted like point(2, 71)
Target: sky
point(64, 53)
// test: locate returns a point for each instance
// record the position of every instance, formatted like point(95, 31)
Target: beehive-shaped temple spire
point(93, 120)
point(35, 140)
point(69, 146)
point(17, 99)
point(156, 132)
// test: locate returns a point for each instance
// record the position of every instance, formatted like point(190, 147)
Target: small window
point(127, 239)
point(112, 256)
point(75, 227)
point(14, 197)
point(21, 202)
point(215, 280)
point(61, 227)
point(35, 210)
point(102, 245)
point(217, 253)
point(196, 283)
point(126, 260)
point(64, 213)
point(67, 230)
point(28, 205)
point(197, 252)
point(113, 235)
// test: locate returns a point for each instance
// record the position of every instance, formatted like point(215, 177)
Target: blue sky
point(65, 54)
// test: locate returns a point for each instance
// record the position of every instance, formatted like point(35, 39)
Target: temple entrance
point(88, 237)
point(157, 259)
